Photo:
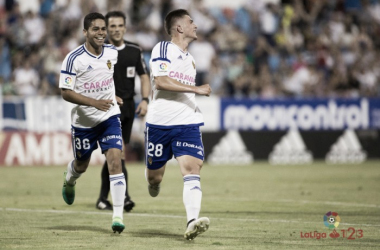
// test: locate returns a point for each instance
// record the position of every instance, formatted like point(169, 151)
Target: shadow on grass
point(157, 233)
point(80, 228)
point(292, 214)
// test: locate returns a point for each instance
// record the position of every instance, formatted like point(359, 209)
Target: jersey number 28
point(156, 150)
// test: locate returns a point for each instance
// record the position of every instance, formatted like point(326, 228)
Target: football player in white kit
point(173, 119)
point(86, 80)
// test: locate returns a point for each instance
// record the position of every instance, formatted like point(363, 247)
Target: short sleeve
point(68, 74)
point(160, 62)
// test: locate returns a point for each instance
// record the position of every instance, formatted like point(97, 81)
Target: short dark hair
point(89, 18)
point(172, 16)
point(115, 14)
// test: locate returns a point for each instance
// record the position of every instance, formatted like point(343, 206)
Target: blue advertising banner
point(302, 114)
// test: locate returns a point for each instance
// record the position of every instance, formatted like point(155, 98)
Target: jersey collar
point(183, 53)
point(92, 55)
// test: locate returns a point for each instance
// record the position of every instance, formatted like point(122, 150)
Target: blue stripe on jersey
point(161, 59)
point(110, 46)
point(68, 73)
point(166, 50)
point(70, 60)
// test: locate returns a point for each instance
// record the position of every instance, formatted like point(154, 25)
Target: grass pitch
point(250, 207)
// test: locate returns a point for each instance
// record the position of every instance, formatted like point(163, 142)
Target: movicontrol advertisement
point(301, 114)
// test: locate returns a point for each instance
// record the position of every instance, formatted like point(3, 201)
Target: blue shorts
point(85, 140)
point(162, 144)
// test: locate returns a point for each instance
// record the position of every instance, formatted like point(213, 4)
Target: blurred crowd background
point(258, 49)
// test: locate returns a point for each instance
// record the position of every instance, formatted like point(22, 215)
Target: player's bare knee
point(191, 166)
point(80, 166)
point(114, 167)
point(154, 179)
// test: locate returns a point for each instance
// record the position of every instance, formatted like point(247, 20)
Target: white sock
point(117, 187)
point(192, 195)
point(71, 175)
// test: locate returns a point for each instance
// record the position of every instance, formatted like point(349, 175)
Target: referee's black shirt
point(130, 62)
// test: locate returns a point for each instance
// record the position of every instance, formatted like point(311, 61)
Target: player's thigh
point(109, 136)
point(113, 156)
point(84, 143)
point(157, 147)
point(188, 142)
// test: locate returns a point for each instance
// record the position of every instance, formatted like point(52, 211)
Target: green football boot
point(68, 191)
point(117, 225)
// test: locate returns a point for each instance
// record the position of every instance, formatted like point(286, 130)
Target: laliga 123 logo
point(331, 220)
point(163, 66)
point(68, 80)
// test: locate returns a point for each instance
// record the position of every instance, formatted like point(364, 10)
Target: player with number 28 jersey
point(171, 109)
point(173, 119)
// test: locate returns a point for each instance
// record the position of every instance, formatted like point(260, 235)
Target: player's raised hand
point(204, 90)
point(103, 104)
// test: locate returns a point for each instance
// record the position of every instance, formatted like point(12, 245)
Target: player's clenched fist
point(204, 90)
point(103, 105)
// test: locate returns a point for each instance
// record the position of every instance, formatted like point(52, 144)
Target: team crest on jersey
point(109, 64)
point(150, 160)
point(193, 64)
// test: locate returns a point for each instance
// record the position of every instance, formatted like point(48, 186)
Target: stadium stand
point(260, 49)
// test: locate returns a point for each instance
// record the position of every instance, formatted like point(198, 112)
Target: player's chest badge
point(109, 64)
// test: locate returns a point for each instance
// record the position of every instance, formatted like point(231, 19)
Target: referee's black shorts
point(126, 117)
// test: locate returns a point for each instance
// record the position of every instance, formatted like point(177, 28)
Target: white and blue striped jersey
point(91, 76)
point(167, 108)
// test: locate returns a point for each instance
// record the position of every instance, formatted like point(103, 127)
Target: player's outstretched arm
point(73, 97)
point(169, 84)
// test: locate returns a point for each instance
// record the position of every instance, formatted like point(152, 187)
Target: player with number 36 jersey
point(92, 76)
point(86, 80)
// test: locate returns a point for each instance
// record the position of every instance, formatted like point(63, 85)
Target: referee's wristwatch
point(146, 99)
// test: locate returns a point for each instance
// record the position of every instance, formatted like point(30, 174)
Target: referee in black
point(129, 63)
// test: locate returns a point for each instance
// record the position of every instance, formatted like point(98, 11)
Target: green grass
point(250, 207)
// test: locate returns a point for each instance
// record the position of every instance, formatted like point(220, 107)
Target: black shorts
point(126, 117)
